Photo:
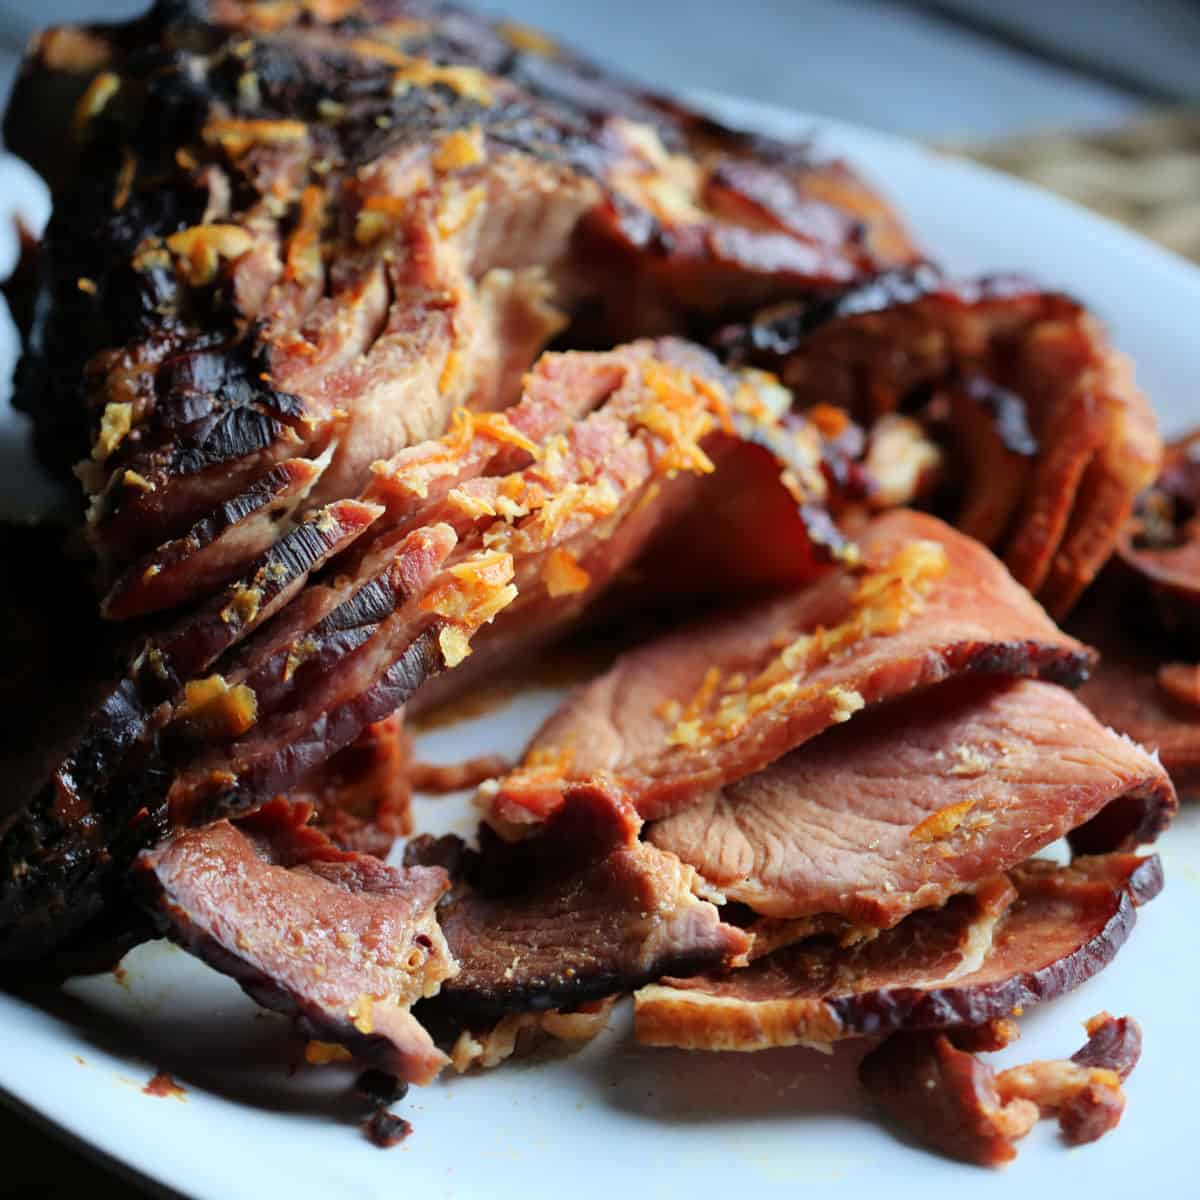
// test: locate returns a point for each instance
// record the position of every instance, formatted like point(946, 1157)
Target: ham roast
point(390, 347)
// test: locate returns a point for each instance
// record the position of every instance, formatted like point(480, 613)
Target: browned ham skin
point(385, 1129)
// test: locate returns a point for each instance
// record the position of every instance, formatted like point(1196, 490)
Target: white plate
point(617, 1119)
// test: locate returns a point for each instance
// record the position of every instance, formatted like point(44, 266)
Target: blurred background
point(1088, 97)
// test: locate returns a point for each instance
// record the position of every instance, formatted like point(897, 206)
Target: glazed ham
point(298, 236)
point(338, 940)
point(528, 518)
point(1054, 440)
point(711, 704)
point(898, 810)
point(1029, 936)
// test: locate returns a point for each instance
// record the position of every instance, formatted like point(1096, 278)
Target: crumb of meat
point(461, 148)
point(563, 574)
point(115, 423)
point(385, 1129)
point(520, 1031)
point(210, 707)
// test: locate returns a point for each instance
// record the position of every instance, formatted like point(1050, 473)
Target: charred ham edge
point(1160, 546)
point(1061, 475)
point(340, 941)
point(715, 702)
point(161, 662)
point(583, 912)
point(943, 1095)
point(1027, 937)
point(216, 548)
point(226, 160)
point(104, 801)
point(904, 806)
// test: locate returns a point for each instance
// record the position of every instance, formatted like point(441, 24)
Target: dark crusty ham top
point(712, 703)
point(902, 807)
point(324, 229)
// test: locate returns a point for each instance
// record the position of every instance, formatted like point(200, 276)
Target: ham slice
point(904, 806)
point(1127, 692)
point(338, 940)
point(581, 912)
point(713, 703)
point(1025, 938)
point(1056, 437)
point(1160, 547)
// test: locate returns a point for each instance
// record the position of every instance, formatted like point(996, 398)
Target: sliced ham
point(338, 940)
point(1054, 438)
point(1025, 938)
point(362, 796)
point(713, 703)
point(575, 915)
point(905, 806)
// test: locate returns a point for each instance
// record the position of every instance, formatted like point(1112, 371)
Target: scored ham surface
point(248, 693)
point(715, 702)
point(338, 940)
point(901, 808)
point(1030, 936)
